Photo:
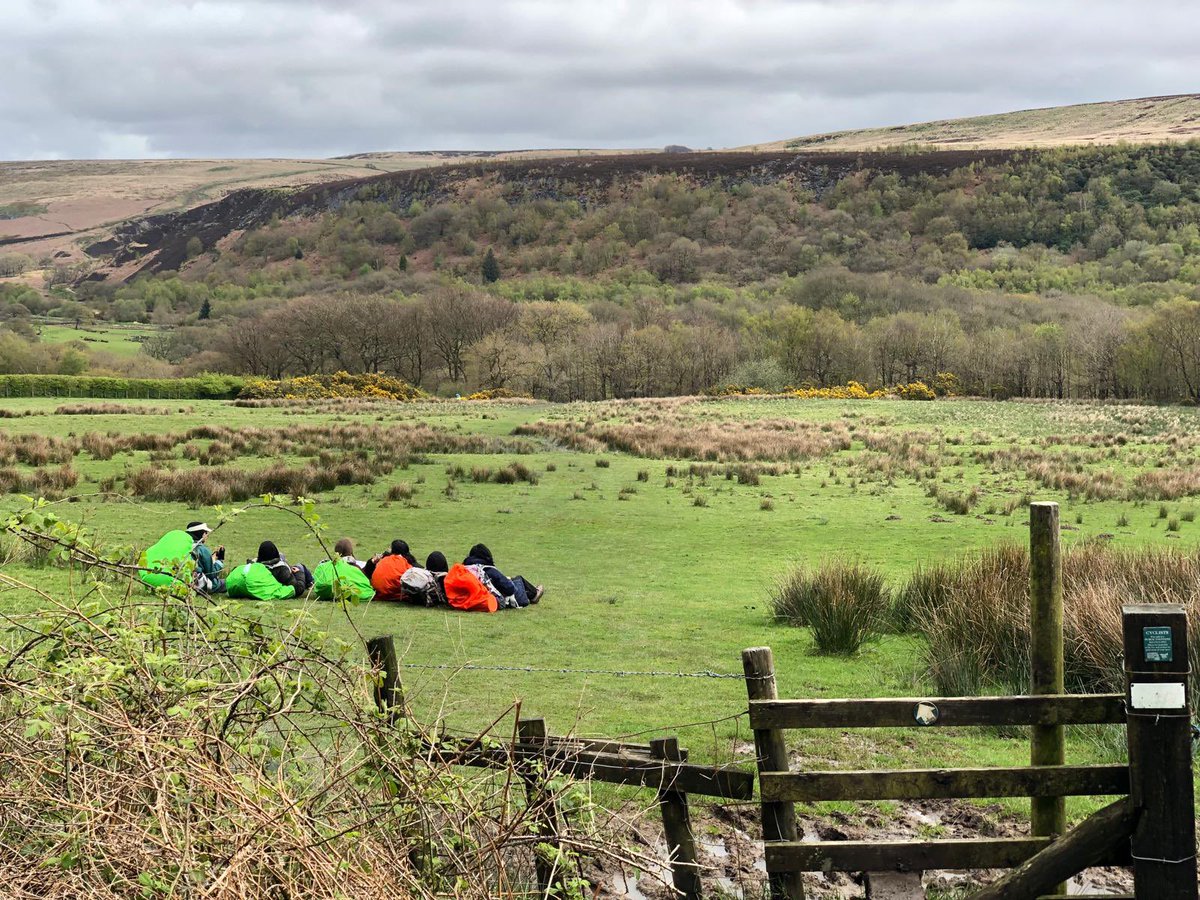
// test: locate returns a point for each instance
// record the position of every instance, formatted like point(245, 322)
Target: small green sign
point(1158, 644)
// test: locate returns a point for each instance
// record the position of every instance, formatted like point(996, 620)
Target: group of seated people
point(474, 584)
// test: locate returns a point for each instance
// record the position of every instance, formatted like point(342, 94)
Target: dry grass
point(974, 613)
point(44, 481)
point(399, 444)
point(35, 449)
point(208, 486)
point(672, 437)
point(1089, 473)
point(1146, 120)
point(113, 409)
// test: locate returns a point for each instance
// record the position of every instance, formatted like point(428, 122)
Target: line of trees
point(458, 337)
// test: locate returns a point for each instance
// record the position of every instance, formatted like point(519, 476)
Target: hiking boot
point(537, 594)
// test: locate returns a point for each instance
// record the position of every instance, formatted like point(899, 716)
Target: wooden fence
point(1150, 828)
point(539, 757)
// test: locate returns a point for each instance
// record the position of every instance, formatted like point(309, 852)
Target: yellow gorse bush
point(945, 384)
point(852, 390)
point(495, 394)
point(340, 385)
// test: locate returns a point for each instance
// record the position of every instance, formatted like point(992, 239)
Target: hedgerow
point(202, 387)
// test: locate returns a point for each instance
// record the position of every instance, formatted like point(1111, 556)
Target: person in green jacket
point(209, 565)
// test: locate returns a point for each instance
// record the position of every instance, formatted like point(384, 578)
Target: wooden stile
point(1160, 751)
point(550, 878)
point(1090, 843)
point(1047, 747)
point(388, 692)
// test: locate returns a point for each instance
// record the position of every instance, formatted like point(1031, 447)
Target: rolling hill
point(1142, 121)
point(57, 208)
point(53, 207)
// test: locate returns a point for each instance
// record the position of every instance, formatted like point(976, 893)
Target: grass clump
point(401, 491)
point(845, 604)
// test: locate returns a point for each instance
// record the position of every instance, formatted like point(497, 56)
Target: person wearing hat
point(208, 565)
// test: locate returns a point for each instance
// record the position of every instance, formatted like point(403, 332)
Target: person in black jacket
point(298, 577)
point(400, 548)
point(519, 588)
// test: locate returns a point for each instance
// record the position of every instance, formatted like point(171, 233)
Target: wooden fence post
point(1048, 814)
point(550, 877)
point(1160, 751)
point(778, 818)
point(677, 825)
point(389, 693)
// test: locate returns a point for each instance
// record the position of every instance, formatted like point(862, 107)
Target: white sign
point(1157, 695)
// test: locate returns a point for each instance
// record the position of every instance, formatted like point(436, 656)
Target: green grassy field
point(651, 567)
point(118, 341)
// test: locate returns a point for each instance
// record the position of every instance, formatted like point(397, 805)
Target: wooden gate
point(1151, 827)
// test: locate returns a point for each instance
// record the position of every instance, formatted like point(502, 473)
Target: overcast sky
point(142, 78)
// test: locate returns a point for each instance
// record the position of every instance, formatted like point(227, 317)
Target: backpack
point(420, 587)
point(330, 577)
point(505, 602)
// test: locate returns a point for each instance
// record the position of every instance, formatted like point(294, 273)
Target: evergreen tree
point(403, 264)
point(205, 309)
point(491, 268)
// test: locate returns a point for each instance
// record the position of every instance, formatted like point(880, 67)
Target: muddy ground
point(730, 838)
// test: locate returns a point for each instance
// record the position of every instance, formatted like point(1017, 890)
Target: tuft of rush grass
point(974, 613)
point(845, 604)
point(402, 490)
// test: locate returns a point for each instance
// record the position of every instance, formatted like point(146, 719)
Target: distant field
point(657, 554)
point(1143, 121)
point(119, 341)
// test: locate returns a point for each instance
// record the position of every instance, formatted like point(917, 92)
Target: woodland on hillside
point(1071, 273)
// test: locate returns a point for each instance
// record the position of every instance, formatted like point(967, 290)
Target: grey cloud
point(319, 77)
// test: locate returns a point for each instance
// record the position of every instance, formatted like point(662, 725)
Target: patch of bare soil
point(729, 838)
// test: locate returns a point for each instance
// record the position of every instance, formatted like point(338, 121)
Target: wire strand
point(616, 673)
